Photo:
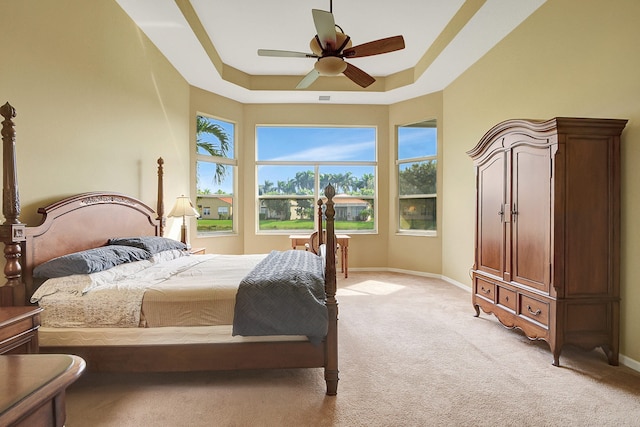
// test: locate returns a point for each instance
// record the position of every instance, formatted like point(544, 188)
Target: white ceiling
point(235, 30)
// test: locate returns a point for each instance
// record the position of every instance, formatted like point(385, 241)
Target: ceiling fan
point(331, 46)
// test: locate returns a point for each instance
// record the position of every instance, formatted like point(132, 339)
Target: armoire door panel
point(588, 210)
point(531, 216)
point(491, 187)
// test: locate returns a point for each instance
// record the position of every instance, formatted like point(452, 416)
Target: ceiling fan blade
point(285, 53)
point(325, 28)
point(308, 79)
point(358, 76)
point(375, 47)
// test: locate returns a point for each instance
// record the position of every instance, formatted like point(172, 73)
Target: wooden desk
point(342, 240)
point(19, 329)
point(32, 388)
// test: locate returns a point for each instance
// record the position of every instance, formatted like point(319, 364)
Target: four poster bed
point(190, 313)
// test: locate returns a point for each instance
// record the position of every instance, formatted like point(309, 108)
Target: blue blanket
point(283, 295)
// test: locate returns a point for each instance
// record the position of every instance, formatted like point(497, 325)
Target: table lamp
point(183, 208)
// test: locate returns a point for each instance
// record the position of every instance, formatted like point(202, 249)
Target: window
point(417, 169)
point(295, 164)
point(215, 175)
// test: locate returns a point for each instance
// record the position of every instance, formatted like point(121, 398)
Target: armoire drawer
point(534, 309)
point(485, 289)
point(507, 298)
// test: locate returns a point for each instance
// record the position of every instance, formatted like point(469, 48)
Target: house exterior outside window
point(294, 165)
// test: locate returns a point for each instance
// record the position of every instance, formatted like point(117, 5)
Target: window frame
point(231, 162)
point(418, 159)
point(315, 166)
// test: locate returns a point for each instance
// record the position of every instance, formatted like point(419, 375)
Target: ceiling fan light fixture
point(315, 47)
point(330, 65)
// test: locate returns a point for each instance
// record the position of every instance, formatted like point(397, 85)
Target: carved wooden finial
point(7, 111)
point(329, 191)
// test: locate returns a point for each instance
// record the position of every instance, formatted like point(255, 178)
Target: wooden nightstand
point(19, 329)
point(197, 251)
point(33, 393)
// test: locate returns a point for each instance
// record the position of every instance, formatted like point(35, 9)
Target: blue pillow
point(90, 261)
point(152, 244)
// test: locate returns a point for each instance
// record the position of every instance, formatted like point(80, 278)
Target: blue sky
point(317, 144)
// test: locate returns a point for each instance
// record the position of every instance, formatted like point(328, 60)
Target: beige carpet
point(411, 354)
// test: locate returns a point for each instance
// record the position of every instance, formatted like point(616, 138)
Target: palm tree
point(204, 126)
point(304, 182)
point(266, 188)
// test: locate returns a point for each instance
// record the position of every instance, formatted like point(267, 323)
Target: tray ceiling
point(213, 44)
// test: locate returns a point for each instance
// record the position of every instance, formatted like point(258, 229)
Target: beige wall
point(210, 104)
point(562, 61)
point(97, 104)
point(406, 251)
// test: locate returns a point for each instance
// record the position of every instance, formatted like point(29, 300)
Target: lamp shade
point(183, 207)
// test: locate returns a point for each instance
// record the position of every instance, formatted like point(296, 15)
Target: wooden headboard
point(82, 222)
point(76, 223)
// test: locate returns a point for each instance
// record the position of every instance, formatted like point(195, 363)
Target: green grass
point(215, 225)
point(294, 224)
point(291, 225)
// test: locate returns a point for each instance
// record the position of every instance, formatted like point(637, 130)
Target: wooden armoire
point(547, 256)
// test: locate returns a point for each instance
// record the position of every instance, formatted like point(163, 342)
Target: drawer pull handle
point(486, 291)
point(535, 313)
point(506, 298)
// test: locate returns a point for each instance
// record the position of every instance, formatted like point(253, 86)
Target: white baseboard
point(414, 273)
point(629, 362)
point(624, 360)
point(456, 283)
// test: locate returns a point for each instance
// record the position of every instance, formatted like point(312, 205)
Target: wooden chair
point(315, 240)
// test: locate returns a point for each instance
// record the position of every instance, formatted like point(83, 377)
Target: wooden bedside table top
point(12, 314)
point(31, 381)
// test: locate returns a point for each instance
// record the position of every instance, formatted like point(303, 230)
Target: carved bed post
point(160, 208)
point(331, 368)
point(12, 231)
point(320, 233)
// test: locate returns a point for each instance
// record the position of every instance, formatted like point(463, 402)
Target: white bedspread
point(113, 298)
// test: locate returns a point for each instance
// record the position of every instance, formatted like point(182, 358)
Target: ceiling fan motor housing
point(340, 39)
point(329, 64)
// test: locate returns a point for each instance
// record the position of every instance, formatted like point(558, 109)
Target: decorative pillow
point(153, 244)
point(172, 254)
point(90, 261)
